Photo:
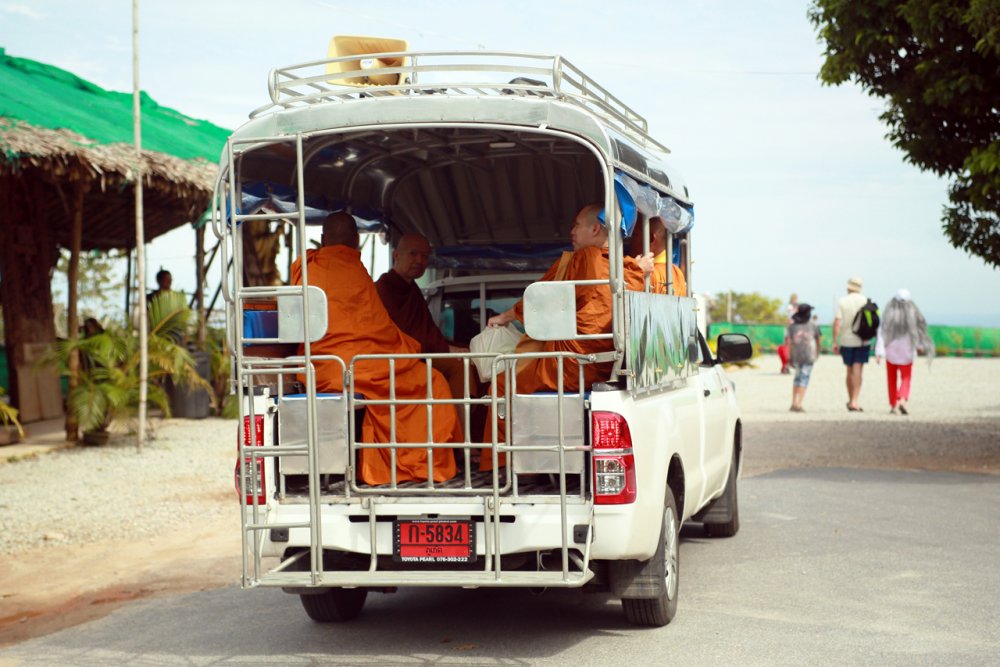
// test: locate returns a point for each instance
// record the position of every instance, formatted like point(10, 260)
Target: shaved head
point(657, 236)
point(411, 256)
point(341, 229)
point(587, 229)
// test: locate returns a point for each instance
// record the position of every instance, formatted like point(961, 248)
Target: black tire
point(660, 610)
point(334, 605)
point(730, 499)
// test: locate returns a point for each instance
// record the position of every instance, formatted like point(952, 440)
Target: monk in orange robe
point(588, 261)
point(359, 324)
point(658, 247)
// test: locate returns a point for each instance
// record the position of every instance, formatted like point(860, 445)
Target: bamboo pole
point(140, 237)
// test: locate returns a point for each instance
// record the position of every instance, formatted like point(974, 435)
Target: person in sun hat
point(852, 349)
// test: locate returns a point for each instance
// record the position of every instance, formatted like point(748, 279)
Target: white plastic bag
point(498, 340)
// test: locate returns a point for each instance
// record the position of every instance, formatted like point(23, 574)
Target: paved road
point(832, 566)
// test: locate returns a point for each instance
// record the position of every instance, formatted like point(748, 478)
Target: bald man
point(588, 261)
point(408, 309)
point(359, 324)
point(403, 299)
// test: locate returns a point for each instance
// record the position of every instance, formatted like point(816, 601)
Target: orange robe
point(359, 324)
point(658, 281)
point(593, 316)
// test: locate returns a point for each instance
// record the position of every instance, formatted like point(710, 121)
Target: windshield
point(461, 312)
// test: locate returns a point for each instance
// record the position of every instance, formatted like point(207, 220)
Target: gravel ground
point(948, 390)
point(84, 494)
point(954, 421)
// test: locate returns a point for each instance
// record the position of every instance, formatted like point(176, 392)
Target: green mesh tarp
point(46, 96)
point(948, 341)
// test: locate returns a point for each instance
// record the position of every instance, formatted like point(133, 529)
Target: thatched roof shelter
point(175, 191)
point(67, 180)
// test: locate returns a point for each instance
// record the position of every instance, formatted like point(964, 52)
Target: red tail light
point(258, 440)
point(613, 461)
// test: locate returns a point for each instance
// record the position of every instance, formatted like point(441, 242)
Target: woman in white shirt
point(901, 336)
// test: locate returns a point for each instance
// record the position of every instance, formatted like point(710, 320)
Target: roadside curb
point(24, 450)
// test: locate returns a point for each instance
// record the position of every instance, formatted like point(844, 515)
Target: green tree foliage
point(749, 308)
point(101, 290)
point(936, 63)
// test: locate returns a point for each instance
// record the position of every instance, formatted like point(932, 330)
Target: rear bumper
point(348, 528)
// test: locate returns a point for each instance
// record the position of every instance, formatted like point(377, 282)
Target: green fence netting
point(46, 96)
point(948, 341)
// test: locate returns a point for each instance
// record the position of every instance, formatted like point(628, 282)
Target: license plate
point(433, 541)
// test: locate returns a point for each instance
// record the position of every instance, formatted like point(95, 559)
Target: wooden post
point(28, 253)
point(72, 316)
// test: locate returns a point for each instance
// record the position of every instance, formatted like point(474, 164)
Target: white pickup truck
point(491, 170)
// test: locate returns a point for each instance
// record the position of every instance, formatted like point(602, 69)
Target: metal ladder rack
point(252, 456)
point(456, 73)
point(226, 218)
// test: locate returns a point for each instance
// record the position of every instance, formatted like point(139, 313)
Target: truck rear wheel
point(659, 611)
point(334, 605)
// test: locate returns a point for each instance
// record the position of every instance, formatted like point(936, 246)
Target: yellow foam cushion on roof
point(351, 45)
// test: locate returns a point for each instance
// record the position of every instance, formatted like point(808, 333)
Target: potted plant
point(108, 381)
point(225, 403)
point(11, 430)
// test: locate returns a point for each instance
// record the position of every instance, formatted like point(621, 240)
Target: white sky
point(795, 187)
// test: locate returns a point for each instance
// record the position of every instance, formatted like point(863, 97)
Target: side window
point(704, 353)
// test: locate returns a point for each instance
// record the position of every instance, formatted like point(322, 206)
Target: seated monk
point(658, 247)
point(588, 261)
point(359, 324)
point(405, 303)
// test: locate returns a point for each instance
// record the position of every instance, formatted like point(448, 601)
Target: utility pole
point(140, 236)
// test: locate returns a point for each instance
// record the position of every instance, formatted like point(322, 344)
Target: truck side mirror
point(550, 311)
point(290, 318)
point(732, 347)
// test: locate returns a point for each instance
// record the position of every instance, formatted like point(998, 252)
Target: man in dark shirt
point(406, 306)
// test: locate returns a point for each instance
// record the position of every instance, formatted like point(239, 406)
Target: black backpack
point(866, 322)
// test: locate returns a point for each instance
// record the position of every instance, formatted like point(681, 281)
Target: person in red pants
point(901, 336)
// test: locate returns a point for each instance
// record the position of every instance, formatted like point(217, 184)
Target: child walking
point(803, 341)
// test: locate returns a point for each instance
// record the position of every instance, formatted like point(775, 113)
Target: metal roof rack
point(452, 73)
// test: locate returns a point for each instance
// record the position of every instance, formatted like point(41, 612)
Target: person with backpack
point(902, 335)
point(854, 326)
point(802, 339)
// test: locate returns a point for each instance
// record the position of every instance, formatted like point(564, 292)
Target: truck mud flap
point(626, 579)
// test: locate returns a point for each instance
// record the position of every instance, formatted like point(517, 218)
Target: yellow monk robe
point(658, 281)
point(593, 316)
point(359, 324)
